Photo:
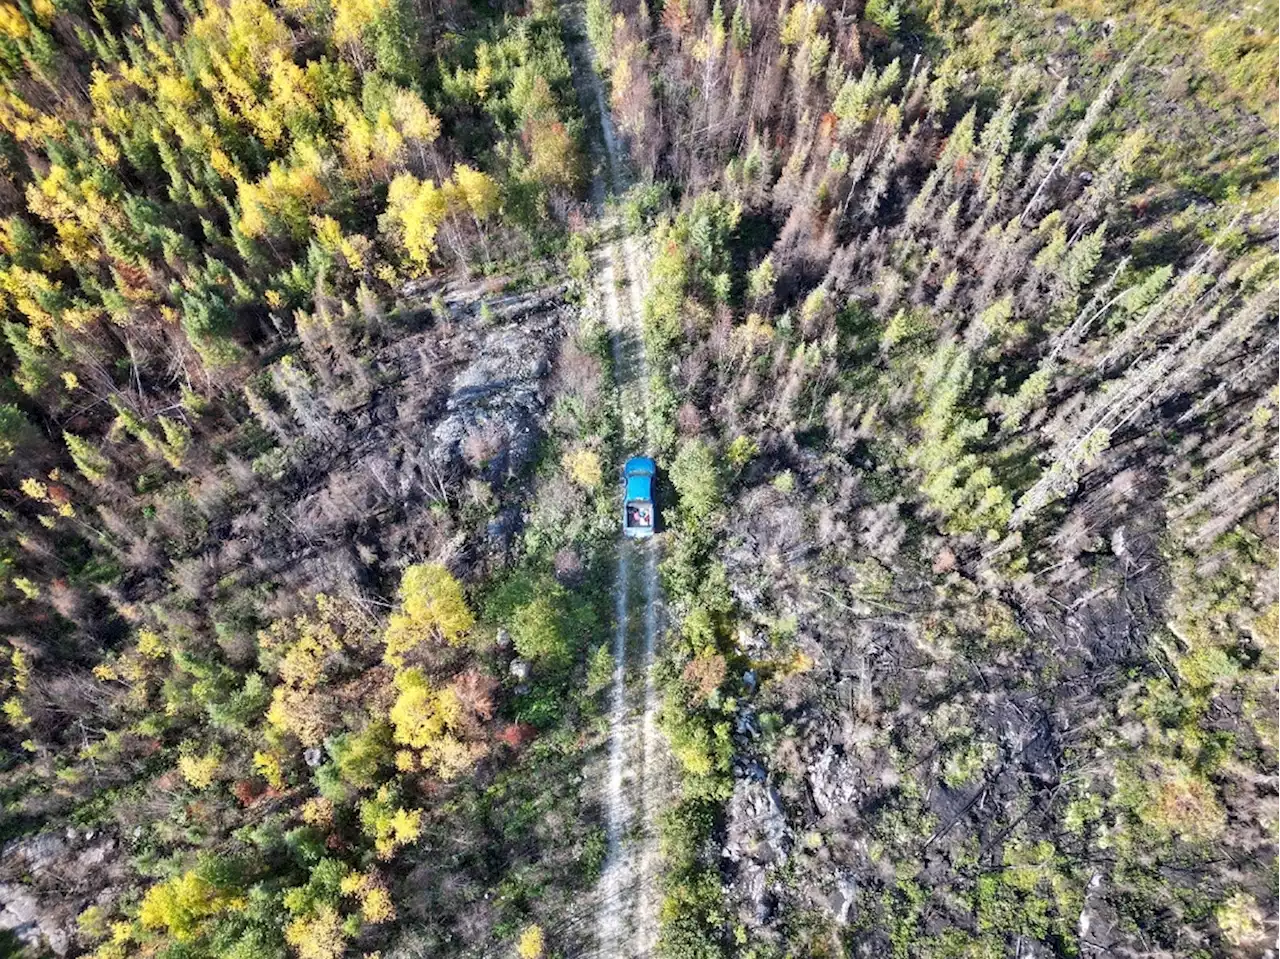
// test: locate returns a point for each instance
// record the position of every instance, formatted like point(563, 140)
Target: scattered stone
point(1100, 924)
point(1120, 545)
point(750, 770)
point(519, 670)
point(766, 905)
point(751, 642)
point(844, 898)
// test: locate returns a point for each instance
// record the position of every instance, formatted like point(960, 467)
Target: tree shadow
point(11, 947)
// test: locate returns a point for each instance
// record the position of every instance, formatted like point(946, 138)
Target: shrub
point(358, 757)
point(741, 451)
point(1186, 805)
point(518, 735)
point(599, 670)
point(93, 923)
point(182, 905)
point(704, 673)
point(964, 763)
point(539, 634)
point(702, 744)
point(693, 916)
point(583, 467)
point(1240, 919)
point(697, 479)
point(1265, 628)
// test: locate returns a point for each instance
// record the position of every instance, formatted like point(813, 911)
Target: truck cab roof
point(639, 487)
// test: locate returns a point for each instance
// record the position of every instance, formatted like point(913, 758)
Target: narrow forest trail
point(627, 911)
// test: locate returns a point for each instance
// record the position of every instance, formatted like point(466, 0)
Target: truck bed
point(639, 516)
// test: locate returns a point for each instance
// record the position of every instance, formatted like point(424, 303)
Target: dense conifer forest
point(952, 328)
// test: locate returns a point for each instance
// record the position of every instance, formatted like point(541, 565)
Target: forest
point(952, 326)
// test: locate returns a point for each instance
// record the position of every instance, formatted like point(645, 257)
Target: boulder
point(832, 781)
point(845, 896)
point(503, 528)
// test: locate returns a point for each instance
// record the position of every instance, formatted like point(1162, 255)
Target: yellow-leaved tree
point(352, 17)
point(415, 210)
point(416, 121)
point(432, 605)
point(199, 770)
point(476, 190)
point(476, 193)
point(318, 936)
point(432, 723)
point(181, 905)
point(306, 650)
point(532, 943)
point(373, 894)
point(387, 823)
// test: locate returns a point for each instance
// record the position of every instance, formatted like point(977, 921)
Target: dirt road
point(627, 914)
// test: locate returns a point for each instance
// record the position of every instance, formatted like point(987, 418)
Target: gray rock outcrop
point(47, 880)
point(758, 840)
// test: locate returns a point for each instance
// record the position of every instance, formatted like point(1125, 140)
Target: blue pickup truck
point(639, 510)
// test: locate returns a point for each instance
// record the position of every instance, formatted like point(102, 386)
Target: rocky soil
point(914, 718)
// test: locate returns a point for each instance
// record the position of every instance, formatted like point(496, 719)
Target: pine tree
point(92, 465)
point(599, 18)
point(15, 430)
